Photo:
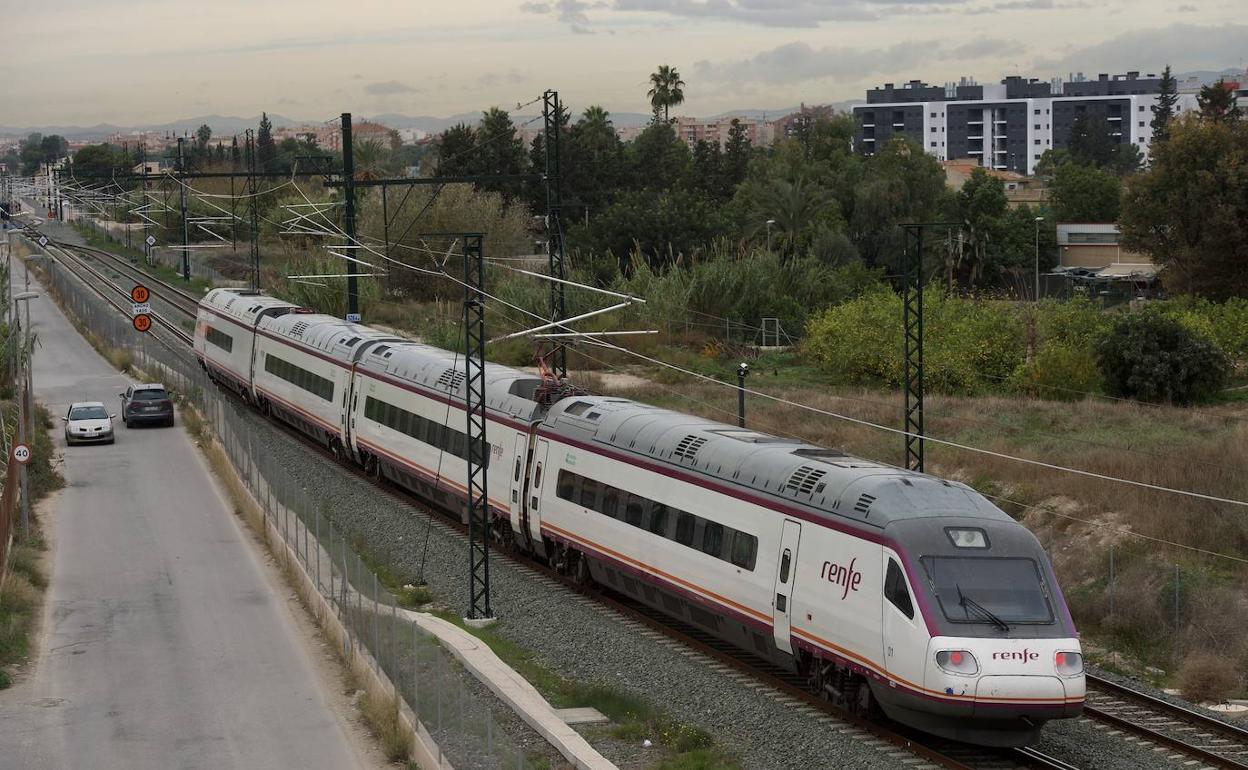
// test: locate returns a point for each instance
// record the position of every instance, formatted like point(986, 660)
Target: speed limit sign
point(21, 453)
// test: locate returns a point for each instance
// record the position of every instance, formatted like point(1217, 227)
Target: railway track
point(108, 289)
point(1181, 732)
point(908, 749)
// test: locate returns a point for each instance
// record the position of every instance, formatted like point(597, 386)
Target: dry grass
point(1208, 678)
point(382, 716)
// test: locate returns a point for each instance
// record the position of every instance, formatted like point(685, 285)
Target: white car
point(88, 422)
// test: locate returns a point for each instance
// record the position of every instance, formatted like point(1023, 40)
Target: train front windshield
point(993, 590)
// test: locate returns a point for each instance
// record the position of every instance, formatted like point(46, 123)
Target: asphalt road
point(167, 642)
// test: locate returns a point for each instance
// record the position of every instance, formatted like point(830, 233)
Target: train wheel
point(580, 571)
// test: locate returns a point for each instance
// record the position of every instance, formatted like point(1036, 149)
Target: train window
point(634, 510)
point(685, 523)
point(537, 476)
point(744, 549)
point(589, 493)
point(785, 562)
point(895, 590)
point(220, 339)
point(658, 519)
point(712, 538)
point(517, 473)
point(610, 502)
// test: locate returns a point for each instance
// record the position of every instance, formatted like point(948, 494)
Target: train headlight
point(960, 662)
point(1068, 663)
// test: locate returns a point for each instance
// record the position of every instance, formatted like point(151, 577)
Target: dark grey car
point(146, 404)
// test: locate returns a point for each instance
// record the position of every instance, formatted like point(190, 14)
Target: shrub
point(1059, 372)
point(1155, 358)
point(1204, 678)
point(1075, 323)
point(970, 345)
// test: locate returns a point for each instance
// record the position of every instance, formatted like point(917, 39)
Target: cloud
point(570, 12)
point(1187, 9)
point(1149, 50)
point(768, 13)
point(510, 78)
point(389, 88)
point(798, 61)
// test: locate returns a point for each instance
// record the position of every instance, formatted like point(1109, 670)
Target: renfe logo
point(846, 577)
point(1025, 656)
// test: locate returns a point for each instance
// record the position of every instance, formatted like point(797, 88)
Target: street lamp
point(770, 222)
point(25, 418)
point(1038, 221)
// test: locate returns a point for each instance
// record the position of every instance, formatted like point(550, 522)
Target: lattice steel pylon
point(912, 328)
point(478, 448)
point(552, 112)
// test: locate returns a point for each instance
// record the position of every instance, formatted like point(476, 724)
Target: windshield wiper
point(983, 611)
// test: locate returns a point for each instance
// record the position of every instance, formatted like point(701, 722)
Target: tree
point(900, 183)
point(101, 160)
point(32, 153)
point(737, 152)
point(796, 196)
point(1163, 110)
point(593, 164)
point(659, 225)
point(658, 159)
point(981, 206)
point(1092, 143)
point(1086, 194)
point(454, 146)
point(236, 157)
point(1189, 211)
point(666, 90)
point(1217, 102)
point(1154, 358)
point(203, 135)
point(266, 148)
point(498, 150)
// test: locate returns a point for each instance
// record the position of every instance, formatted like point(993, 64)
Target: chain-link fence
point(457, 713)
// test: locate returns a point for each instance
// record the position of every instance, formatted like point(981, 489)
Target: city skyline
point(144, 62)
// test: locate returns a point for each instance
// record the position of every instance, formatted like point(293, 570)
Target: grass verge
point(634, 719)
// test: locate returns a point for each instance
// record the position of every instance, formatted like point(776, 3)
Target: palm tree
point(666, 90)
point(596, 119)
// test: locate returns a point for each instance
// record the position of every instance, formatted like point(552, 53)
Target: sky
point(152, 61)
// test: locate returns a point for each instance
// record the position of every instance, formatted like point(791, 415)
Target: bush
point(1155, 358)
point(1205, 678)
point(1059, 372)
point(970, 345)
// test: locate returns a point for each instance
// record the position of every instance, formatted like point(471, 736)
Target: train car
point(409, 425)
point(303, 371)
point(886, 589)
point(225, 334)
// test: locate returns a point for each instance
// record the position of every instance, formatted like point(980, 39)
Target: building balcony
point(974, 122)
point(975, 138)
point(899, 125)
point(868, 125)
point(974, 152)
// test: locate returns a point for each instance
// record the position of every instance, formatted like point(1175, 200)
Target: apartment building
point(1007, 125)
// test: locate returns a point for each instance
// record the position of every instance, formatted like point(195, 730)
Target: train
point(890, 592)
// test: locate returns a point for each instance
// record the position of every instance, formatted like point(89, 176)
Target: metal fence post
point(1176, 612)
point(376, 639)
point(318, 549)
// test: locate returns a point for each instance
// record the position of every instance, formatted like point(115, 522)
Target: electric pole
point(186, 252)
point(479, 609)
point(254, 200)
point(552, 112)
point(348, 218)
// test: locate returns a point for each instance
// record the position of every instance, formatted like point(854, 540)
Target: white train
point(888, 590)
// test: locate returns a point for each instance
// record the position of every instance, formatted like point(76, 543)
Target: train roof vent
point(299, 328)
point(352, 342)
point(577, 409)
point(231, 302)
point(863, 505)
point(451, 379)
point(380, 349)
point(688, 447)
point(804, 479)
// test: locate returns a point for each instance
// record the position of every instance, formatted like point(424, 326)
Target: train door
point(904, 634)
point(535, 489)
point(786, 574)
point(517, 483)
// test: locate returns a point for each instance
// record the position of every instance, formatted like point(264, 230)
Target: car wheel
point(169, 423)
point(112, 441)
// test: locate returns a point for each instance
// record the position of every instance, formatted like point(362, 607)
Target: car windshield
point(149, 395)
point(1009, 588)
point(88, 413)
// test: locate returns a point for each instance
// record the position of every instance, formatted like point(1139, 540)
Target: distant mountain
point(220, 124)
point(1210, 76)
